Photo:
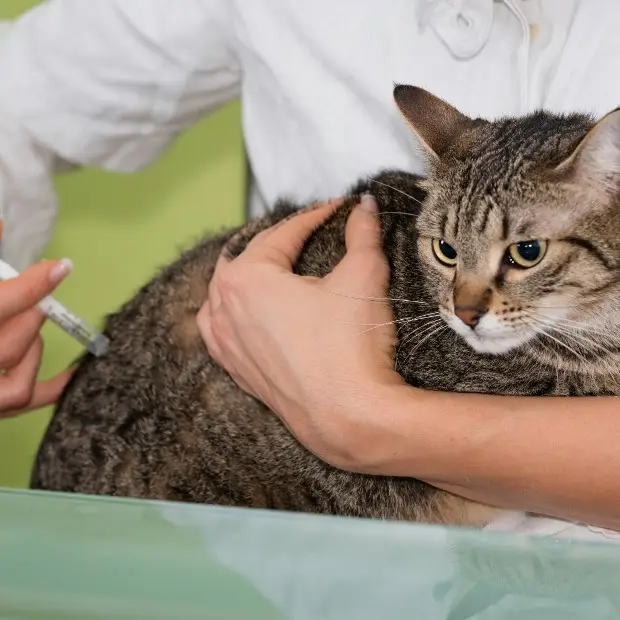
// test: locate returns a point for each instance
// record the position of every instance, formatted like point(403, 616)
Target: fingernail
point(61, 270)
point(369, 204)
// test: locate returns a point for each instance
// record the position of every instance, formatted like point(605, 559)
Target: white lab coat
point(110, 83)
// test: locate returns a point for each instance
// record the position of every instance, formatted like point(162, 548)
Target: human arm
point(21, 345)
point(306, 354)
point(102, 83)
point(553, 456)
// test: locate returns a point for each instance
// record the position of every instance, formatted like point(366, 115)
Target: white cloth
point(111, 83)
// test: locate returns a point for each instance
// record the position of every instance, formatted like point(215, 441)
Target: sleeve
point(104, 83)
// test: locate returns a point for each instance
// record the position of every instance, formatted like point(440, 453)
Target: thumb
point(364, 261)
point(363, 232)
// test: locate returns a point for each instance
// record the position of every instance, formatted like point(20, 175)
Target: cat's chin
point(489, 343)
point(493, 346)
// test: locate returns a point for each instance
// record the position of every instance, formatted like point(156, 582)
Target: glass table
point(66, 557)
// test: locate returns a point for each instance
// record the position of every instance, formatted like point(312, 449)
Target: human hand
point(21, 346)
point(317, 351)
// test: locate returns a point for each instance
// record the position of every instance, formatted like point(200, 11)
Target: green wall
point(118, 229)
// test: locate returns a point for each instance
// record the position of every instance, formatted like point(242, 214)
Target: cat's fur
point(156, 418)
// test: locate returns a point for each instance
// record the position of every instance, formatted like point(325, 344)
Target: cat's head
point(520, 231)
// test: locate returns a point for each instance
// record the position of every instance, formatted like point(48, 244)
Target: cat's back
point(123, 416)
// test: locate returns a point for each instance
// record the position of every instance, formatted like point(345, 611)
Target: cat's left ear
point(596, 160)
point(436, 123)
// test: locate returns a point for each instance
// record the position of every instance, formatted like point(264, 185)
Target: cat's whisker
point(418, 331)
point(594, 347)
point(577, 340)
point(430, 320)
point(540, 341)
point(594, 339)
point(401, 327)
point(400, 191)
point(374, 326)
point(580, 329)
point(545, 332)
point(437, 330)
point(583, 334)
point(563, 307)
point(379, 299)
point(404, 321)
point(424, 316)
point(407, 321)
point(401, 320)
point(584, 327)
point(395, 213)
point(410, 301)
point(417, 346)
point(550, 325)
point(587, 343)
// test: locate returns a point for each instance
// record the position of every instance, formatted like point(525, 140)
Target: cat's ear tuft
point(435, 122)
point(596, 160)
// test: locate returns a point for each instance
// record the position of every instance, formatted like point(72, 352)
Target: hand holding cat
point(317, 351)
point(21, 345)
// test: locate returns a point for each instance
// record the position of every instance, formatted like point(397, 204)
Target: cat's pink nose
point(470, 315)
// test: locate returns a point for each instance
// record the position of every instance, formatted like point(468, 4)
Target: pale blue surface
point(75, 557)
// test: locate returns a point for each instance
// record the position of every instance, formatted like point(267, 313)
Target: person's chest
point(318, 77)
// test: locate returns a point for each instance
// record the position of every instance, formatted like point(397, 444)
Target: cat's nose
point(470, 315)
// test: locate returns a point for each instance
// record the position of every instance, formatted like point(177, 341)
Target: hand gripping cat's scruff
point(505, 279)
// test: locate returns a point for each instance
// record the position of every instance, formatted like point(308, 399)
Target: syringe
point(73, 325)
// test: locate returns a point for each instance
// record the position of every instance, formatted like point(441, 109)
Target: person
point(111, 84)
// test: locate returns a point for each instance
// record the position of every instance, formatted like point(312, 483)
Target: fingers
point(214, 298)
point(363, 231)
point(19, 390)
point(47, 392)
point(30, 287)
point(279, 245)
point(290, 254)
point(44, 393)
point(364, 262)
point(17, 335)
point(283, 243)
point(17, 384)
point(203, 321)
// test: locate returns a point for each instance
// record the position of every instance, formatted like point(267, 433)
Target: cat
point(505, 275)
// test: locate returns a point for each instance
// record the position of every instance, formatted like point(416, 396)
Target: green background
point(118, 229)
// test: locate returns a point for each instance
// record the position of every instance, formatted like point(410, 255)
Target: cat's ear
point(435, 122)
point(595, 162)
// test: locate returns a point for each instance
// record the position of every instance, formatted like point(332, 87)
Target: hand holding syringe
point(73, 325)
point(21, 345)
point(22, 297)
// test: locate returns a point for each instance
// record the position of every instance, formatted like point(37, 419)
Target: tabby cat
point(510, 249)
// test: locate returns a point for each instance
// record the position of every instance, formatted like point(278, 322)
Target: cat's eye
point(526, 254)
point(444, 252)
